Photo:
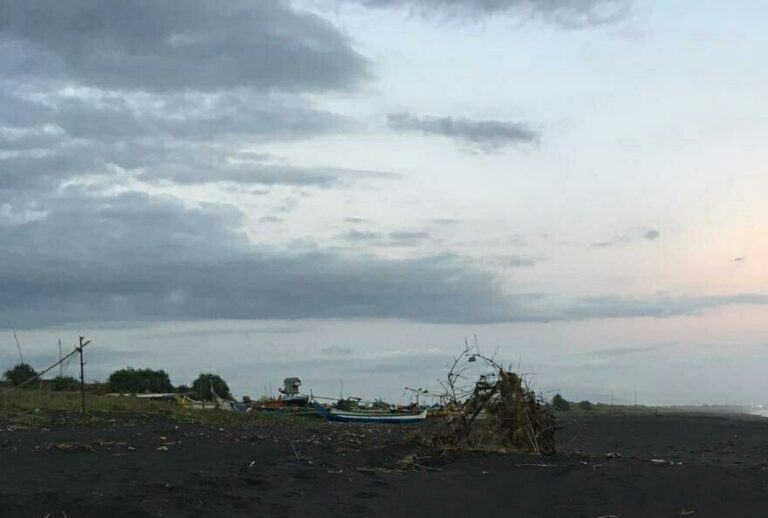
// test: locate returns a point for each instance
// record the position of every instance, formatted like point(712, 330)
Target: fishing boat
point(346, 416)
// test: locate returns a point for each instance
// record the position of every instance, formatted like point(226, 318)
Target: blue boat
point(345, 416)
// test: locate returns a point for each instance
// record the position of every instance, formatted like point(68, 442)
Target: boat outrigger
point(345, 416)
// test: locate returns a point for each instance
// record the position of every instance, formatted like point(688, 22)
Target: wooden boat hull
point(362, 417)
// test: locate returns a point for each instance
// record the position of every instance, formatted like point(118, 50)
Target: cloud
point(568, 13)
point(109, 117)
point(176, 45)
point(485, 135)
point(50, 137)
point(361, 235)
point(397, 238)
point(625, 239)
point(135, 257)
point(739, 259)
point(336, 350)
point(138, 257)
point(404, 235)
point(254, 172)
point(651, 235)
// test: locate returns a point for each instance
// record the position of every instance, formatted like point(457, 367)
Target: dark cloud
point(651, 235)
point(133, 256)
point(115, 117)
point(485, 135)
point(178, 138)
point(165, 92)
point(136, 256)
point(569, 13)
point(189, 45)
point(154, 162)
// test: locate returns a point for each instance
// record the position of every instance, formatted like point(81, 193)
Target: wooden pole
point(82, 376)
point(67, 357)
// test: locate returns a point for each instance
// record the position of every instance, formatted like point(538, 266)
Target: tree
point(139, 381)
point(183, 389)
point(201, 387)
point(585, 405)
point(64, 384)
point(560, 403)
point(19, 374)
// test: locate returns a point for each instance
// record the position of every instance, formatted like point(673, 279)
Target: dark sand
point(715, 467)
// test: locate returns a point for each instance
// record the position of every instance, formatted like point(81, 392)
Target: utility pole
point(82, 372)
point(18, 345)
point(61, 363)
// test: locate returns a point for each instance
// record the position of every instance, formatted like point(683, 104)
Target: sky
point(343, 190)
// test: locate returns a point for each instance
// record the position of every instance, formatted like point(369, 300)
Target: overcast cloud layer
point(118, 118)
point(176, 45)
point(138, 257)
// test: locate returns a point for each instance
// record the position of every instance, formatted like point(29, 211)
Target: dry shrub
point(499, 412)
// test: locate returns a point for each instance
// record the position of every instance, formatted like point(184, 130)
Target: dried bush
point(498, 411)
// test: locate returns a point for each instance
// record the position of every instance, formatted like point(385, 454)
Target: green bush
point(380, 404)
point(139, 381)
point(64, 384)
point(347, 405)
point(19, 374)
point(560, 403)
point(201, 387)
point(586, 405)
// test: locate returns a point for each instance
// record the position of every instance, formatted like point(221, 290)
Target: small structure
point(291, 386)
point(291, 393)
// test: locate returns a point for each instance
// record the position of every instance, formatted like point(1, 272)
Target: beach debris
point(67, 447)
point(498, 412)
point(162, 448)
point(665, 462)
point(535, 465)
point(613, 455)
point(414, 461)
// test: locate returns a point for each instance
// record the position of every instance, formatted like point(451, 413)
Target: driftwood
point(513, 416)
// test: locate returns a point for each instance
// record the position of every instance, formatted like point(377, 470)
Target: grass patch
point(34, 408)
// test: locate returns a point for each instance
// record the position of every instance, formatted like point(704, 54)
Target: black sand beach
point(705, 466)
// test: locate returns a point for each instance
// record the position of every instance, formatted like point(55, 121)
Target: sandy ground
point(706, 467)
